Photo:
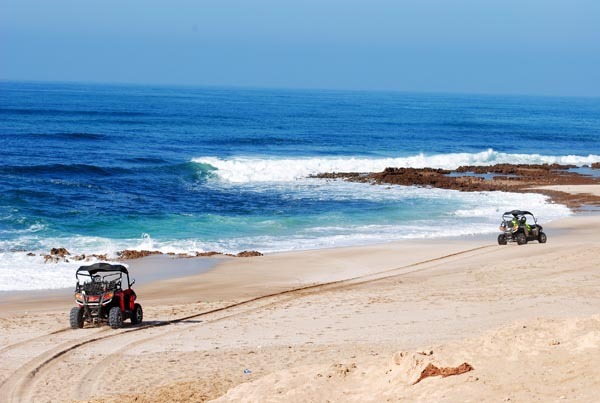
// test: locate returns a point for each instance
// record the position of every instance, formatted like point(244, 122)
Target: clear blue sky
point(523, 47)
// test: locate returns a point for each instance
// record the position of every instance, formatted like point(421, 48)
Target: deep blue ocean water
point(101, 168)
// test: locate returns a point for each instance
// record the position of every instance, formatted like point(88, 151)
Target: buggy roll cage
point(517, 214)
point(105, 270)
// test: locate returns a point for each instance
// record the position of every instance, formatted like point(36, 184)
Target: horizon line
point(290, 88)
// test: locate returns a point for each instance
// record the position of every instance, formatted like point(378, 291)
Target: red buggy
point(101, 298)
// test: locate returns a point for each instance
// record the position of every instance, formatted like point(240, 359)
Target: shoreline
point(151, 260)
point(148, 270)
point(151, 278)
point(576, 190)
point(236, 333)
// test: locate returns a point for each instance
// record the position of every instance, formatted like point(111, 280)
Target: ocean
point(102, 168)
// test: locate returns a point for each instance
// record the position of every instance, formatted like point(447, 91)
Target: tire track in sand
point(20, 386)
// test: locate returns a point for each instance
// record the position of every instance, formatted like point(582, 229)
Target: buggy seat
point(99, 287)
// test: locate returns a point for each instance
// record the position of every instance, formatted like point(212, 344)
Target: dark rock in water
point(595, 165)
point(337, 175)
point(62, 252)
point(54, 259)
point(205, 254)
point(515, 169)
point(57, 255)
point(412, 176)
point(87, 258)
point(31, 254)
point(249, 253)
point(136, 254)
point(178, 255)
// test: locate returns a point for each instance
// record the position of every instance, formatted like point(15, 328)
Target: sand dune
point(543, 359)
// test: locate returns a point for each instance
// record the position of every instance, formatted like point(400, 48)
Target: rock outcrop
point(136, 254)
point(249, 253)
point(500, 177)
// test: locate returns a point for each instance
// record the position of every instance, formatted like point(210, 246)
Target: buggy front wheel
point(115, 317)
point(76, 317)
point(501, 239)
point(542, 238)
point(521, 238)
point(138, 314)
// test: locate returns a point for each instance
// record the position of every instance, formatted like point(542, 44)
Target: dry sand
point(525, 318)
point(574, 189)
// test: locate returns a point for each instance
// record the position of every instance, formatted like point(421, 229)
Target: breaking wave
point(255, 169)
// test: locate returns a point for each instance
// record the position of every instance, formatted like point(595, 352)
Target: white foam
point(250, 169)
point(480, 214)
point(466, 213)
point(20, 271)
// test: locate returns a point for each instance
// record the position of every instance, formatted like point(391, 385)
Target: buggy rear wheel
point(115, 317)
point(76, 317)
point(502, 239)
point(542, 238)
point(138, 314)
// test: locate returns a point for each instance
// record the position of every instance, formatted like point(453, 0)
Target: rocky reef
point(500, 177)
point(60, 254)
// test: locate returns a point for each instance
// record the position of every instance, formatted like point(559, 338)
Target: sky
point(542, 47)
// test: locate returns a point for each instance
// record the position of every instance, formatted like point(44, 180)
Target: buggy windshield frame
point(107, 272)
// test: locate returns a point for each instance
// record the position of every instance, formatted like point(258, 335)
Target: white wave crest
point(249, 169)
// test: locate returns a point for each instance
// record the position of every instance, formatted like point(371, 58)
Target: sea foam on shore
point(400, 213)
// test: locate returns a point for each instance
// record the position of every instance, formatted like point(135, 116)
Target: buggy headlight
point(106, 298)
point(79, 297)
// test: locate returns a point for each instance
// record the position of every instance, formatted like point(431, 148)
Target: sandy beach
point(362, 324)
point(299, 202)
